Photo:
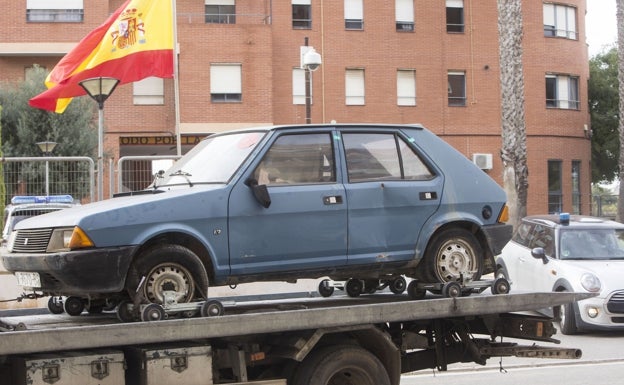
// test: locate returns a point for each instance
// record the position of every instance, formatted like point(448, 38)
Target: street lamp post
point(310, 60)
point(46, 148)
point(100, 89)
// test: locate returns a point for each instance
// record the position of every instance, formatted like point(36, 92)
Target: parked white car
point(570, 253)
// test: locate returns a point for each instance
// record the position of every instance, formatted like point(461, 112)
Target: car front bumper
point(604, 320)
point(83, 272)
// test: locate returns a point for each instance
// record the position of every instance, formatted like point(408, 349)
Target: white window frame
point(354, 14)
point(55, 11)
point(355, 89)
point(457, 101)
point(149, 91)
point(406, 87)
point(560, 21)
point(404, 15)
point(456, 28)
point(226, 79)
point(566, 92)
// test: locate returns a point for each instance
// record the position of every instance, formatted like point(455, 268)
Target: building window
point(298, 86)
point(576, 187)
point(456, 88)
point(220, 11)
point(353, 14)
point(555, 196)
point(406, 87)
point(301, 14)
point(560, 21)
point(454, 15)
point(562, 91)
point(225, 83)
point(354, 87)
point(54, 11)
point(404, 15)
point(149, 91)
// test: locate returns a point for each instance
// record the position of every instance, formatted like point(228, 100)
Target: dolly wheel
point(74, 306)
point(451, 290)
point(55, 305)
point(212, 308)
point(152, 312)
point(414, 292)
point(324, 288)
point(500, 286)
point(354, 287)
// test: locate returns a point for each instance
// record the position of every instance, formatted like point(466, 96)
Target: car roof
point(575, 221)
point(295, 127)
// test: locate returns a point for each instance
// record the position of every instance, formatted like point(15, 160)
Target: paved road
point(602, 363)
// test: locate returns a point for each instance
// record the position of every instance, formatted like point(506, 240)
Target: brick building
point(392, 61)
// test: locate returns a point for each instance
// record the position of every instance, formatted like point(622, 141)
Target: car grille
point(32, 241)
point(616, 302)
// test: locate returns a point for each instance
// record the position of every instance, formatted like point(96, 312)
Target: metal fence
point(137, 172)
point(604, 206)
point(49, 176)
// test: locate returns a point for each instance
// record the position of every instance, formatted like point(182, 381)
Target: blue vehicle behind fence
point(362, 202)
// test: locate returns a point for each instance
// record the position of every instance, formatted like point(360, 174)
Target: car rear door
point(305, 225)
point(391, 191)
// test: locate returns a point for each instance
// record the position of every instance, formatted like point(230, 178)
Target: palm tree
point(620, 45)
point(513, 130)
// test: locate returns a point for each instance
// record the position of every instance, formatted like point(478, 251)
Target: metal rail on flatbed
point(305, 315)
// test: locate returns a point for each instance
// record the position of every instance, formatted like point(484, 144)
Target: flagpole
point(176, 85)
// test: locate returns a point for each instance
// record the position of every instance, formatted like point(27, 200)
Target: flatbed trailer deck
point(286, 340)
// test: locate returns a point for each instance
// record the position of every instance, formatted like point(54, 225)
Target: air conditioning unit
point(483, 161)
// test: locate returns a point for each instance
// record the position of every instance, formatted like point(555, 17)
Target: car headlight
point(69, 238)
point(590, 282)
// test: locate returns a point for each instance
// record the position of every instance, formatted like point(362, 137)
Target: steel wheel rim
point(169, 276)
point(455, 257)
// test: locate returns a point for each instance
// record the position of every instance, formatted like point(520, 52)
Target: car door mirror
point(260, 192)
point(539, 253)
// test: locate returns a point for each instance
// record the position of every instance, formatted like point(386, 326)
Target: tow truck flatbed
point(62, 332)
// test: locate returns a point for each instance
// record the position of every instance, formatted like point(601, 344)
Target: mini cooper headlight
point(590, 282)
point(68, 238)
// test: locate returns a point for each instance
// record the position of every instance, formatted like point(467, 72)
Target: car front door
point(305, 225)
point(391, 192)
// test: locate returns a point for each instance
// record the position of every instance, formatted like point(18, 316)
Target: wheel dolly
point(462, 287)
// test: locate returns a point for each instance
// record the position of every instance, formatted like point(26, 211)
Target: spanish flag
point(135, 42)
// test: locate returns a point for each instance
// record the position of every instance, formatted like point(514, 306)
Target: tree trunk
point(620, 28)
point(513, 130)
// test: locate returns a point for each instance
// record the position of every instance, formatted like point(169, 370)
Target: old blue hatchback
point(364, 201)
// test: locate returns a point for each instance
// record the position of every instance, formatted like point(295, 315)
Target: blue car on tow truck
point(362, 203)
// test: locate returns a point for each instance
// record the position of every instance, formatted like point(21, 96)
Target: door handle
point(332, 200)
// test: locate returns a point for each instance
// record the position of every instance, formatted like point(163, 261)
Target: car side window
point(543, 237)
point(523, 234)
point(374, 156)
point(298, 159)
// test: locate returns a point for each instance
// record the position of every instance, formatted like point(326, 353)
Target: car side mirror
point(539, 253)
point(260, 192)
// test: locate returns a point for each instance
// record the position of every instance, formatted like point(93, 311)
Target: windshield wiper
point(183, 174)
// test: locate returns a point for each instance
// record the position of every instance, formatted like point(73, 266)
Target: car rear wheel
point(453, 252)
point(170, 268)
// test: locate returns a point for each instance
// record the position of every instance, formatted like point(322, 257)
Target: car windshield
point(592, 244)
point(213, 160)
